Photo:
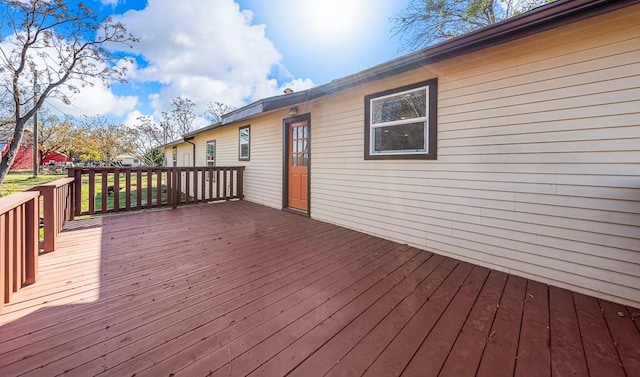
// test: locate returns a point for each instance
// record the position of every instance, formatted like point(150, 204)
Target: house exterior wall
point(263, 171)
point(538, 168)
point(185, 155)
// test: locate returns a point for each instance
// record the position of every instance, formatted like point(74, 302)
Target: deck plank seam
point(444, 310)
point(484, 282)
point(457, 263)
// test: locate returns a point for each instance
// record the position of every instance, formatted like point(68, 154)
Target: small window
point(244, 143)
point(174, 156)
point(211, 153)
point(401, 123)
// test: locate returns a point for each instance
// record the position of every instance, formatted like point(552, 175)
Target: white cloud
point(88, 96)
point(205, 51)
point(94, 100)
point(131, 120)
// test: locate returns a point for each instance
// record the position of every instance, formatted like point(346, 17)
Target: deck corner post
point(50, 213)
point(77, 187)
point(31, 246)
point(241, 183)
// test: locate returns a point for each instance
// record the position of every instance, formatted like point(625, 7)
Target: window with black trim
point(244, 143)
point(401, 123)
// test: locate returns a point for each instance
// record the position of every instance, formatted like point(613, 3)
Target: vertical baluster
point(105, 190)
point(187, 184)
point(138, 189)
point(116, 190)
point(149, 187)
point(196, 186)
point(92, 192)
point(203, 187)
point(127, 192)
point(241, 183)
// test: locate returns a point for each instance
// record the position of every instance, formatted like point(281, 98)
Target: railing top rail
point(57, 183)
point(12, 201)
point(111, 169)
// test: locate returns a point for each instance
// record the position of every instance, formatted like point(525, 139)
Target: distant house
point(24, 155)
point(515, 147)
point(55, 158)
point(128, 160)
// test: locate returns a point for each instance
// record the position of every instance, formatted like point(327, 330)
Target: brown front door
point(298, 160)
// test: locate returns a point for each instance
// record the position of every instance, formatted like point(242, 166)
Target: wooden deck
point(238, 289)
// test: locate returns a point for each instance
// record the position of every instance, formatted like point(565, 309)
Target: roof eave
point(171, 144)
point(201, 130)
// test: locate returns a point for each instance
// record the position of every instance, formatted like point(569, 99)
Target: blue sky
point(239, 51)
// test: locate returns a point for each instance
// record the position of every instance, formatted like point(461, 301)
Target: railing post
point(19, 224)
point(71, 201)
point(241, 183)
point(3, 253)
point(31, 244)
point(57, 198)
point(50, 217)
point(77, 191)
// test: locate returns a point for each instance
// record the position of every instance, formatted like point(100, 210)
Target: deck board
point(224, 289)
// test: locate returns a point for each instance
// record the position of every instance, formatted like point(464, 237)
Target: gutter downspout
point(188, 140)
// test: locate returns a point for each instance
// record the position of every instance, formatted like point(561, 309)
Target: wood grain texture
point(223, 289)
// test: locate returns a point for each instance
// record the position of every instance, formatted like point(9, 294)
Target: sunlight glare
point(336, 20)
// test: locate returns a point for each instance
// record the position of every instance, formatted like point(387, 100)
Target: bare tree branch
point(50, 37)
point(425, 22)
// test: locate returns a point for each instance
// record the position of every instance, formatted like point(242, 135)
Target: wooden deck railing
point(57, 204)
point(115, 189)
point(18, 243)
point(104, 190)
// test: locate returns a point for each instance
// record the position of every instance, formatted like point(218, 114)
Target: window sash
point(399, 95)
point(212, 145)
point(244, 143)
point(425, 141)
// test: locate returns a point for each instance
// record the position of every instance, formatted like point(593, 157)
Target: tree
point(62, 45)
point(182, 115)
point(424, 22)
point(105, 140)
point(148, 136)
point(216, 110)
point(54, 134)
point(75, 141)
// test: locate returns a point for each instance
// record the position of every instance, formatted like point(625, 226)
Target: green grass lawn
point(122, 194)
point(16, 182)
point(19, 182)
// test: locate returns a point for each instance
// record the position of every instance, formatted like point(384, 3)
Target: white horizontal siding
point(538, 169)
point(263, 173)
